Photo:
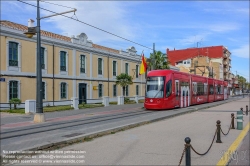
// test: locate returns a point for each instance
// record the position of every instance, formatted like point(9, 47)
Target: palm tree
point(124, 80)
point(160, 61)
point(15, 101)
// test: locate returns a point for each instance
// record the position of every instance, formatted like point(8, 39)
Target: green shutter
point(13, 54)
point(99, 66)
point(82, 67)
point(13, 89)
point(42, 53)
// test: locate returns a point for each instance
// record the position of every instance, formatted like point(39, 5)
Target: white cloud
point(194, 39)
point(234, 10)
point(224, 27)
point(109, 16)
point(242, 52)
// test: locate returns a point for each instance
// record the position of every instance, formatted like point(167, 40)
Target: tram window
point(194, 88)
point(205, 89)
point(200, 90)
point(218, 89)
point(211, 89)
point(177, 88)
point(168, 88)
point(155, 87)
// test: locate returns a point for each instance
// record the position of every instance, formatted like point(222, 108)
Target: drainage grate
point(73, 135)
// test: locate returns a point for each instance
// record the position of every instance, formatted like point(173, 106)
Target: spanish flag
point(143, 67)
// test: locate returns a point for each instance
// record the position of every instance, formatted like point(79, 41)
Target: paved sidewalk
point(162, 143)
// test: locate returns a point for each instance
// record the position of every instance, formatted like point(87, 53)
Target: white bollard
point(74, 102)
point(120, 100)
point(30, 106)
point(105, 101)
point(136, 98)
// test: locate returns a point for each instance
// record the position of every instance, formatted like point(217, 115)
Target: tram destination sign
point(2, 79)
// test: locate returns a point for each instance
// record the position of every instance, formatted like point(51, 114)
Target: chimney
point(30, 23)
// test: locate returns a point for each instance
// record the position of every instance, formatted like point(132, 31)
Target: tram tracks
point(24, 131)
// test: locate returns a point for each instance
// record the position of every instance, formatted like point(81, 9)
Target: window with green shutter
point(127, 90)
point(126, 68)
point(13, 54)
point(82, 65)
point(43, 90)
point(62, 60)
point(13, 89)
point(63, 90)
point(114, 91)
point(114, 68)
point(137, 71)
point(100, 90)
point(137, 89)
point(100, 66)
point(42, 53)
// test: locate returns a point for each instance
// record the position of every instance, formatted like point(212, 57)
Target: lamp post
point(39, 116)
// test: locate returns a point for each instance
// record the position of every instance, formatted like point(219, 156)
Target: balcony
point(225, 56)
point(225, 63)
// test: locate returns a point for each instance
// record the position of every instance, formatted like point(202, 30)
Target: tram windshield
point(155, 87)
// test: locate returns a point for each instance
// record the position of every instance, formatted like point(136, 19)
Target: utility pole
point(39, 116)
point(39, 100)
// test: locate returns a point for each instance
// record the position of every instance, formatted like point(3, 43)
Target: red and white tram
point(167, 89)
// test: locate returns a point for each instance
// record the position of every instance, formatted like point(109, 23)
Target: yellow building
point(71, 67)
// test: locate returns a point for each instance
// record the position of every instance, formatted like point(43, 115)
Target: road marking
point(226, 156)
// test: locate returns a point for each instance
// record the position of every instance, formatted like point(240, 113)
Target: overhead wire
point(88, 25)
point(56, 4)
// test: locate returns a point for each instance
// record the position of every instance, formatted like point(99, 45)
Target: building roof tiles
point(24, 28)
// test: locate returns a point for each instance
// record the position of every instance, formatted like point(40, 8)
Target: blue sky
point(168, 24)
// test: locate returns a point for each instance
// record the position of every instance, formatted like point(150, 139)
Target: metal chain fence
point(184, 150)
point(208, 148)
point(227, 131)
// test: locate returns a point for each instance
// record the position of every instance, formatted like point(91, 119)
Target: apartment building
point(214, 60)
point(71, 67)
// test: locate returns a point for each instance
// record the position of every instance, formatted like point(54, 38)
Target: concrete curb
point(84, 138)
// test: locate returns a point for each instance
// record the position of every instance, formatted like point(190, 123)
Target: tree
point(160, 61)
point(242, 81)
point(15, 101)
point(124, 80)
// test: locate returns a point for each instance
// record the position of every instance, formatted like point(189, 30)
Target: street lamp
point(39, 116)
